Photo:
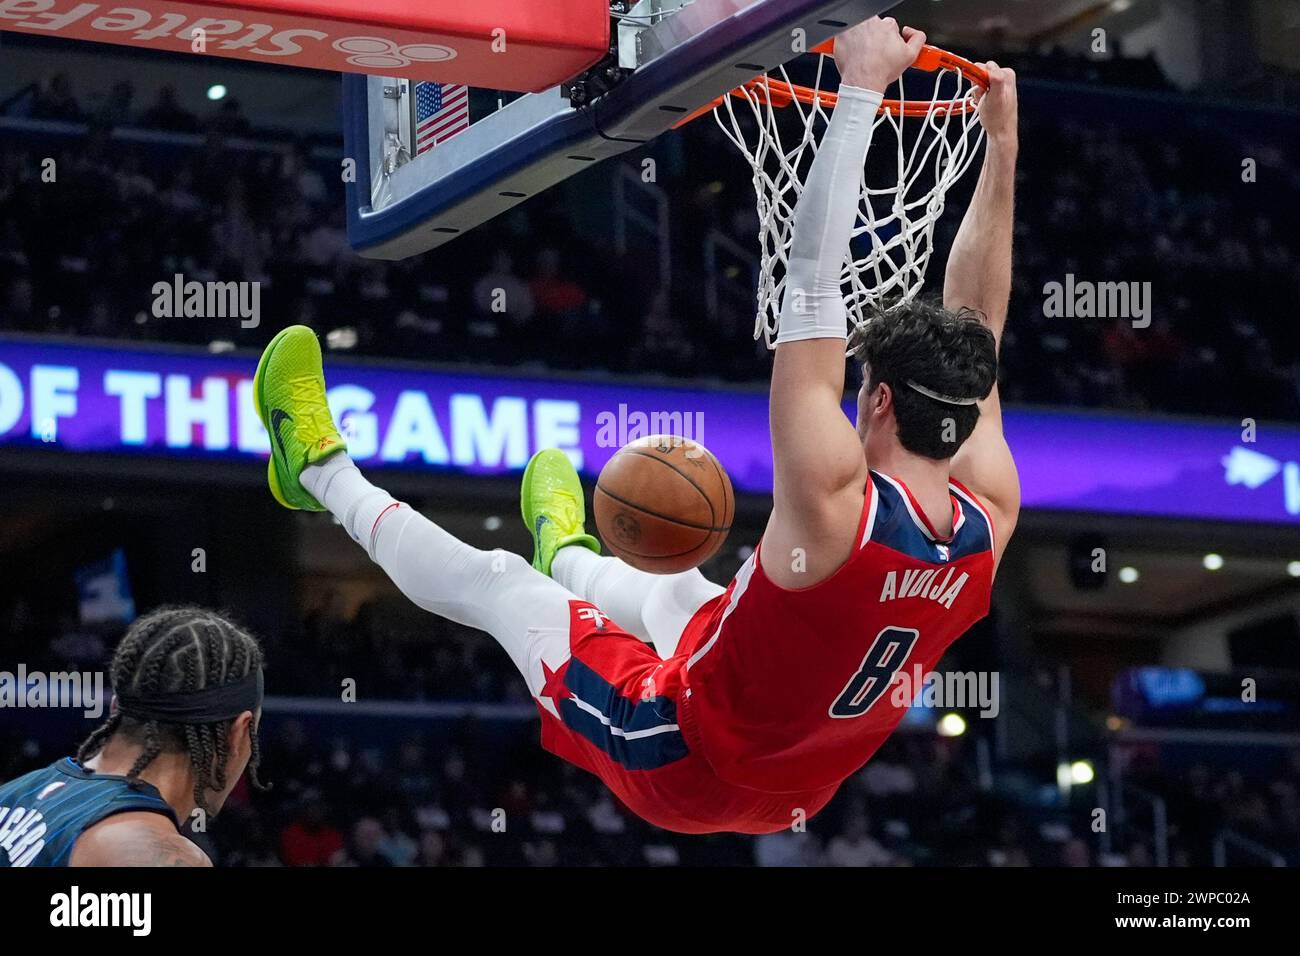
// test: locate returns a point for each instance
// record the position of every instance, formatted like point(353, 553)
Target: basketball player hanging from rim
point(743, 709)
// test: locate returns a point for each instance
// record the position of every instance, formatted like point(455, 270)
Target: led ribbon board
point(500, 44)
point(182, 404)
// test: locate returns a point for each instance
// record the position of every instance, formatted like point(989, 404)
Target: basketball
point(663, 504)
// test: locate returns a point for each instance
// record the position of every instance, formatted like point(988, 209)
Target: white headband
point(946, 399)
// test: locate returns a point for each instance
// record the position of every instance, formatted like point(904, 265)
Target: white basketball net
point(897, 218)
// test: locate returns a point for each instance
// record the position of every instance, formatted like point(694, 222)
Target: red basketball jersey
point(794, 690)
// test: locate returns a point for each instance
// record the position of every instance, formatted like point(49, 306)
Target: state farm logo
point(378, 53)
point(279, 36)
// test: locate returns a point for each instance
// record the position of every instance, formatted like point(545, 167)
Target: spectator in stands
point(366, 846)
point(665, 348)
point(55, 101)
point(433, 849)
point(787, 848)
point(414, 777)
point(458, 791)
point(855, 846)
point(553, 293)
point(1286, 800)
point(179, 197)
point(886, 778)
point(1249, 815)
point(297, 169)
point(396, 846)
point(229, 119)
point(254, 847)
point(541, 853)
point(1009, 851)
point(1075, 853)
point(310, 840)
point(167, 113)
point(1291, 772)
point(115, 110)
point(502, 328)
point(77, 647)
point(13, 257)
point(134, 185)
point(500, 291)
point(1139, 855)
point(20, 306)
point(242, 243)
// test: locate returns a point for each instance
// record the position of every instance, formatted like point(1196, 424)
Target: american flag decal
point(441, 111)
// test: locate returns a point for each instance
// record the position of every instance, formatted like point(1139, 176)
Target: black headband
point(205, 706)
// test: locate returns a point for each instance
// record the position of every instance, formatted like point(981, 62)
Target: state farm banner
point(496, 44)
point(188, 404)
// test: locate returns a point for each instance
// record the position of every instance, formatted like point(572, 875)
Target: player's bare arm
point(978, 277)
point(818, 463)
point(136, 839)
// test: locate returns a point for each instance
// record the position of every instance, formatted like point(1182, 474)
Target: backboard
point(667, 59)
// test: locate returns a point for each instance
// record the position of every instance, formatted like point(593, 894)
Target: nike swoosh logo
point(537, 525)
point(278, 417)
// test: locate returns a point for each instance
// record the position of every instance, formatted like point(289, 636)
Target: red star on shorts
point(554, 685)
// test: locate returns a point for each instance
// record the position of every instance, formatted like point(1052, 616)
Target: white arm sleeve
point(813, 304)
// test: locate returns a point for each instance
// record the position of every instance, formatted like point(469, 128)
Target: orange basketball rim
point(931, 59)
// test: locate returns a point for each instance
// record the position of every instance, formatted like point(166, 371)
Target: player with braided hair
point(187, 699)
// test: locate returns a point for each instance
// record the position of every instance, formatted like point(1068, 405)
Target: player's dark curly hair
point(171, 650)
point(951, 353)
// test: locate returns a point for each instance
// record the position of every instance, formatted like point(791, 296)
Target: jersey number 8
point(887, 654)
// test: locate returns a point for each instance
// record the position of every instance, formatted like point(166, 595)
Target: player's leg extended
point(657, 606)
point(654, 607)
point(494, 591)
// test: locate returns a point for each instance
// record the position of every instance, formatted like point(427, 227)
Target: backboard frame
point(686, 59)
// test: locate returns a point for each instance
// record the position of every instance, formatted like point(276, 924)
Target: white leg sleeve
point(813, 304)
point(654, 607)
point(494, 591)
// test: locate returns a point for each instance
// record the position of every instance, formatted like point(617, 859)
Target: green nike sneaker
point(553, 507)
point(289, 391)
